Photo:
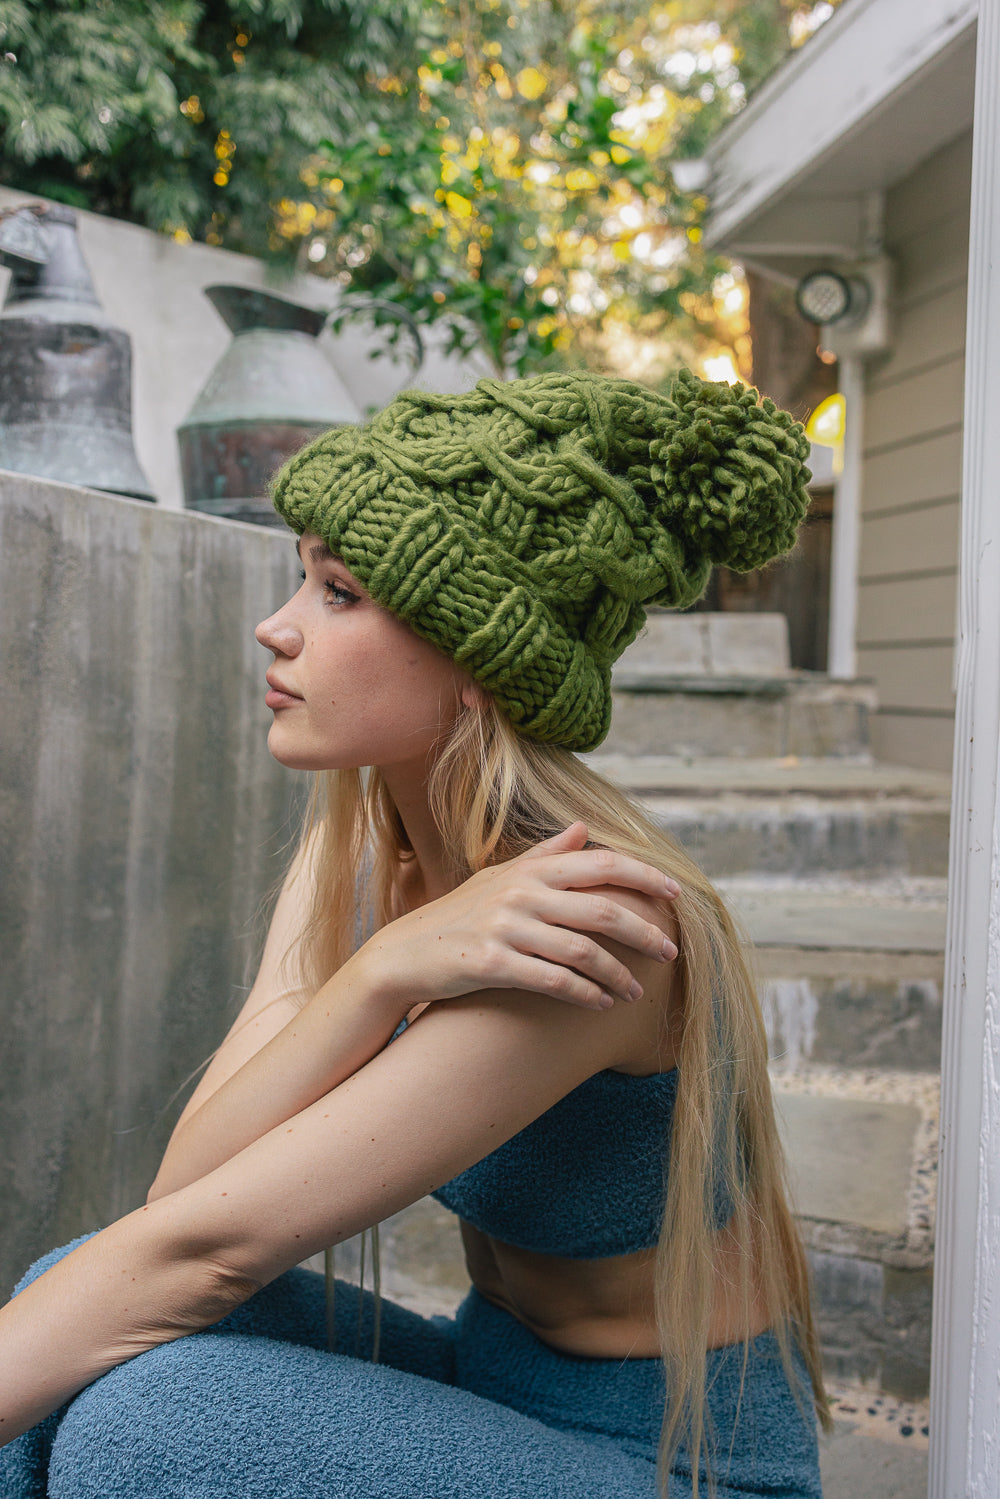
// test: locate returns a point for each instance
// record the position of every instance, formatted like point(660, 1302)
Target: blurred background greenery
point(503, 169)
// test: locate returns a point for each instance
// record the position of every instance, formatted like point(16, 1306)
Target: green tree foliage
point(519, 187)
point(191, 116)
point(500, 168)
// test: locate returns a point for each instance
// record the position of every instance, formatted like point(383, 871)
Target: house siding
point(911, 468)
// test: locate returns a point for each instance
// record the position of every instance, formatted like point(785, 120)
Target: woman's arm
point(508, 925)
point(466, 1076)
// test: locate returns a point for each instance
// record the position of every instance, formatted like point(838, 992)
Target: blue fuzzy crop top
point(585, 1180)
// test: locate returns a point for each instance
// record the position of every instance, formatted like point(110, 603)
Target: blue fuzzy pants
point(257, 1408)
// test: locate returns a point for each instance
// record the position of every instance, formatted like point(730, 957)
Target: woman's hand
point(520, 925)
point(523, 925)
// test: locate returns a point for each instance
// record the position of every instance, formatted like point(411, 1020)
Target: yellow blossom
point(501, 82)
point(531, 84)
point(459, 206)
point(580, 180)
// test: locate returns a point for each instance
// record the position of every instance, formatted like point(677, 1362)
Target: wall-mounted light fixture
point(827, 297)
point(851, 305)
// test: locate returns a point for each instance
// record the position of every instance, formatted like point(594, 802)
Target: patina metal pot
point(65, 367)
point(272, 391)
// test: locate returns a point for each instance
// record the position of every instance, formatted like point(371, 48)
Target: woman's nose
point(279, 634)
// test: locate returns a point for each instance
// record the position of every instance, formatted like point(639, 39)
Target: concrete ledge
point(143, 821)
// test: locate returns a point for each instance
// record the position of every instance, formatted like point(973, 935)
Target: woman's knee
point(216, 1417)
point(293, 1309)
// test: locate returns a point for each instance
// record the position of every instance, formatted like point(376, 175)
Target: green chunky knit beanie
point(525, 527)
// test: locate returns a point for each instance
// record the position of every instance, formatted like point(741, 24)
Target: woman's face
point(351, 684)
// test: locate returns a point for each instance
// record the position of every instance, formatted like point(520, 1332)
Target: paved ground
point(878, 1449)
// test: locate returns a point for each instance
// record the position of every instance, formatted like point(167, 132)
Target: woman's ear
point(474, 696)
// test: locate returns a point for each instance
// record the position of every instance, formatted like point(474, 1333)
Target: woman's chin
point(293, 756)
point(298, 756)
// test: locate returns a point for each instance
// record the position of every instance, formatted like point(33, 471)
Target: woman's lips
point(278, 696)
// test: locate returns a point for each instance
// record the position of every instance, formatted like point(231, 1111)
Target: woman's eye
point(338, 594)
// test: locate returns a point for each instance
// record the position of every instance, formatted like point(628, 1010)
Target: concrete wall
point(142, 822)
point(152, 287)
point(912, 468)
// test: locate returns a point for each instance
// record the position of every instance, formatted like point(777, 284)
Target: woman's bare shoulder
point(650, 1026)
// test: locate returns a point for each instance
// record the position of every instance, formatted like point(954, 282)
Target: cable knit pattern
point(525, 527)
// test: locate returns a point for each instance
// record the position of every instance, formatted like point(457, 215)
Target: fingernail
point(668, 950)
point(672, 886)
point(635, 990)
point(605, 1001)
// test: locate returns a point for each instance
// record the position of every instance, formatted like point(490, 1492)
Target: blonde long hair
point(493, 795)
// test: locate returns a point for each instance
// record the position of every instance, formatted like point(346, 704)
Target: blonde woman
point(550, 1024)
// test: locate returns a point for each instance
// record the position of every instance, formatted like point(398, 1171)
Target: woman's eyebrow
point(320, 552)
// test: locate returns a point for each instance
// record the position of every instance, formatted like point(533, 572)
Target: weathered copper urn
point(272, 391)
point(65, 368)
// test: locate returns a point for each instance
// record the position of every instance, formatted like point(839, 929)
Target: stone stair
point(836, 866)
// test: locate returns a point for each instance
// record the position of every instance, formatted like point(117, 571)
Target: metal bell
point(65, 367)
point(273, 390)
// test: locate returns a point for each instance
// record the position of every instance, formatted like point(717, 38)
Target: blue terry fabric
point(585, 1180)
point(256, 1408)
point(762, 1441)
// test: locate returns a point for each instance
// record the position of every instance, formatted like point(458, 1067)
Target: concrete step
point(901, 915)
point(793, 817)
point(807, 835)
point(862, 1155)
point(659, 712)
point(849, 975)
point(710, 644)
point(677, 775)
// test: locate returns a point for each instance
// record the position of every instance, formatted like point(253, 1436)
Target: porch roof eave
point(882, 86)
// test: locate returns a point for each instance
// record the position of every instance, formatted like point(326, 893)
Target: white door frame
point(965, 1360)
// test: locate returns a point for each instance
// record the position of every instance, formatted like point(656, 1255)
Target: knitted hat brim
point(504, 635)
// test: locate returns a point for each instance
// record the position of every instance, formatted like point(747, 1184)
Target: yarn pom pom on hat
point(525, 527)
